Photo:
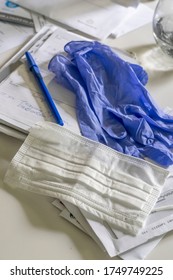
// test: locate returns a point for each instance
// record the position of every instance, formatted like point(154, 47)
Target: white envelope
point(97, 18)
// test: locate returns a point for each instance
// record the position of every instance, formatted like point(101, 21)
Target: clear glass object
point(163, 25)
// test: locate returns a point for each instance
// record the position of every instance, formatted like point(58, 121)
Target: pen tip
point(61, 123)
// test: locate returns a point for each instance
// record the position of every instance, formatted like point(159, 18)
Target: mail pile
point(123, 202)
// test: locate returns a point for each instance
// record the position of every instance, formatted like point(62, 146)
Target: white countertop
point(30, 225)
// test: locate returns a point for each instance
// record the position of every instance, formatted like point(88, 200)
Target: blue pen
point(36, 72)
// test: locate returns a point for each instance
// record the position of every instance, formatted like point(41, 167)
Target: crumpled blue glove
point(113, 106)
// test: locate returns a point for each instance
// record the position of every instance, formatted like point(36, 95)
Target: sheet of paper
point(136, 18)
point(73, 215)
point(58, 204)
point(141, 252)
point(67, 214)
point(69, 217)
point(13, 61)
point(97, 18)
point(7, 7)
point(13, 35)
point(39, 21)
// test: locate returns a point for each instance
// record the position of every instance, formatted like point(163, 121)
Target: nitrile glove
point(113, 106)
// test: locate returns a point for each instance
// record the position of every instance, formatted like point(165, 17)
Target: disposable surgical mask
point(115, 187)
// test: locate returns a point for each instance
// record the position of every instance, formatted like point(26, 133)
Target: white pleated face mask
point(117, 188)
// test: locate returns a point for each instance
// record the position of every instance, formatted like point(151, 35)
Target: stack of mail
point(98, 19)
point(19, 23)
point(21, 111)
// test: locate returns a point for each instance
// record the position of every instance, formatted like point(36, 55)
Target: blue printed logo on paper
point(9, 4)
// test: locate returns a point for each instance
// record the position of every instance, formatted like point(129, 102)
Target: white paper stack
point(96, 18)
point(26, 107)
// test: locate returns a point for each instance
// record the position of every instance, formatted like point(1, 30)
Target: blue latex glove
point(113, 106)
